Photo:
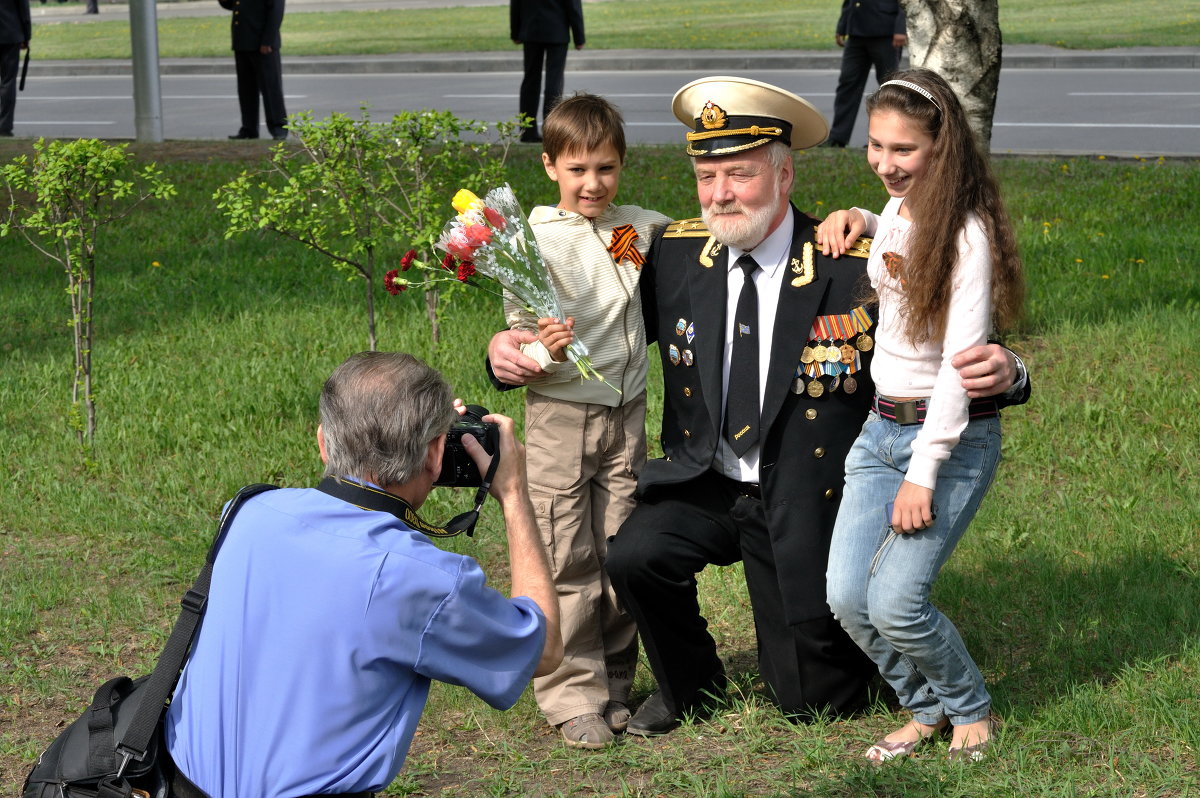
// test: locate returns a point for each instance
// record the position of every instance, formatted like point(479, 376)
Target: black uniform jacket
point(871, 18)
point(546, 21)
point(255, 23)
point(804, 440)
point(15, 25)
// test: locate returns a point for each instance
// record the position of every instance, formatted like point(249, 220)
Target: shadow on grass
point(1039, 626)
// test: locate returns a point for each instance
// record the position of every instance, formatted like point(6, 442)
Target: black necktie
point(741, 400)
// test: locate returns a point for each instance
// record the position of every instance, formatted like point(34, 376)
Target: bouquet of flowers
point(490, 236)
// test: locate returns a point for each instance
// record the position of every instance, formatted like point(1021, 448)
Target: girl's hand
point(839, 231)
point(556, 336)
point(913, 509)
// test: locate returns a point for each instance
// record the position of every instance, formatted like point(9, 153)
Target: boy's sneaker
point(617, 715)
point(587, 731)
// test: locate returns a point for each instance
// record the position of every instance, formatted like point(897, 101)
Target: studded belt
point(913, 411)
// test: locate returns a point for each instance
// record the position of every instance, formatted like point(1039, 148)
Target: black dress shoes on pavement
point(652, 718)
point(241, 134)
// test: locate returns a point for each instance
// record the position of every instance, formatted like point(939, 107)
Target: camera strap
point(371, 498)
point(465, 522)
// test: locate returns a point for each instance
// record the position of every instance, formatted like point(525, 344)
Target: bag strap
point(101, 725)
point(162, 681)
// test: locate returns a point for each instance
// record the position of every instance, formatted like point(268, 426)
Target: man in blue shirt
point(327, 621)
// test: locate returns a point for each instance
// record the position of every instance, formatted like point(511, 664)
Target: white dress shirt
point(771, 255)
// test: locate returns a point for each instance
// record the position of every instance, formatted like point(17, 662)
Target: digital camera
point(458, 469)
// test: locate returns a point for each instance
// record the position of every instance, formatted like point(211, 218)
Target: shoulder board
point(687, 228)
point(861, 248)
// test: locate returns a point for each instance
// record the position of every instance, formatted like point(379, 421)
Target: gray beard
point(745, 230)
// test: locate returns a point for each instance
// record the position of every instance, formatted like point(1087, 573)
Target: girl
point(943, 264)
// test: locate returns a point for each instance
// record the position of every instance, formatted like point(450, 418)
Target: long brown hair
point(957, 182)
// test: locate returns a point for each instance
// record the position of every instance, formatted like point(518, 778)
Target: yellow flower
point(465, 201)
point(155, 263)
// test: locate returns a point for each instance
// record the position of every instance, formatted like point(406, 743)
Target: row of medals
point(830, 358)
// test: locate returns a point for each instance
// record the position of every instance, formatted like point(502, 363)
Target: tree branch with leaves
point(361, 193)
point(59, 201)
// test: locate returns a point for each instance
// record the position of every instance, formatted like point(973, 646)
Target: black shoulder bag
point(116, 750)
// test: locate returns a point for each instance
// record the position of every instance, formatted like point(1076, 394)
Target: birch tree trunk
point(960, 40)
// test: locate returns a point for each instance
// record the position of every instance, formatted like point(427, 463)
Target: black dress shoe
point(531, 137)
point(652, 718)
point(241, 134)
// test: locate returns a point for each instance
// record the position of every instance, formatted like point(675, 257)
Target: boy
point(585, 442)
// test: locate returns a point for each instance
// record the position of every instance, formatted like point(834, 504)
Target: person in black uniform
point(544, 28)
point(870, 33)
point(750, 475)
point(256, 41)
point(15, 30)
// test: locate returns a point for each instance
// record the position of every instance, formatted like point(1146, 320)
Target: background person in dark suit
point(545, 28)
point(15, 30)
point(256, 41)
point(772, 506)
point(870, 33)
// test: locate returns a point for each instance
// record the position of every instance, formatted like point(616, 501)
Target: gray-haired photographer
point(327, 623)
point(331, 610)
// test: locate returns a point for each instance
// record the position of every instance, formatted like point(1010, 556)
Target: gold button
point(810, 413)
point(819, 452)
point(687, 391)
point(829, 494)
point(687, 433)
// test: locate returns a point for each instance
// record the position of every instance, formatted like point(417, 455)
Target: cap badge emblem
point(712, 116)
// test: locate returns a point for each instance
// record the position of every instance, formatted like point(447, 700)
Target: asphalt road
point(1145, 112)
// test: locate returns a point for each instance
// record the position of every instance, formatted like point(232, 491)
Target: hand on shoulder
point(837, 234)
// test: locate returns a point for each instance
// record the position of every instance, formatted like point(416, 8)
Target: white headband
point(918, 89)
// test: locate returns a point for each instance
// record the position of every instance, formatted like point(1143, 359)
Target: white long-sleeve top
point(600, 293)
point(901, 370)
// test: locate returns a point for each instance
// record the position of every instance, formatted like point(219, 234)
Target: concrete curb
point(711, 62)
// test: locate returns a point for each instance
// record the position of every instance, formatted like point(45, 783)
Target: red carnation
point(448, 262)
point(466, 270)
point(495, 219)
point(476, 235)
point(389, 282)
point(406, 261)
point(459, 245)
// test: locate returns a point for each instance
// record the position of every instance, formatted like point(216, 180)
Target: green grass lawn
point(1077, 587)
point(622, 24)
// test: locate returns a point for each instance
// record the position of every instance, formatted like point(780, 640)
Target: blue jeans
point(879, 583)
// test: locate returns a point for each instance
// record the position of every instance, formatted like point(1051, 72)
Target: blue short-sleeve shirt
point(324, 626)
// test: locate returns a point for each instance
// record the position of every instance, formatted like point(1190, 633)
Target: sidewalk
point(713, 61)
